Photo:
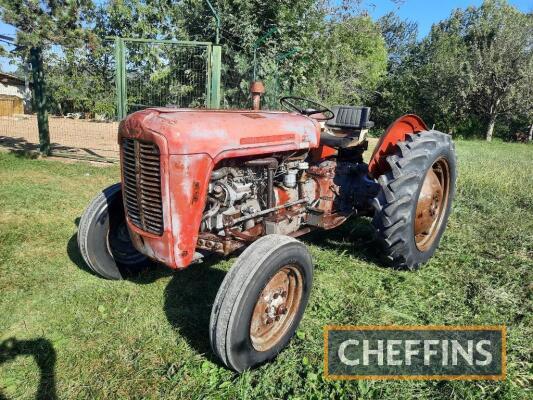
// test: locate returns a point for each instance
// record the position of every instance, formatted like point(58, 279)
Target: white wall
point(19, 91)
point(12, 90)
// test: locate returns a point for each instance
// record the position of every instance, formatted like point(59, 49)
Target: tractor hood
point(222, 133)
point(190, 144)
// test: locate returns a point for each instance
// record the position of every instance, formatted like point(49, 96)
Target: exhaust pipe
point(257, 89)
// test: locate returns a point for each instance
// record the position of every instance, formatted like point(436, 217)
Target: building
point(15, 95)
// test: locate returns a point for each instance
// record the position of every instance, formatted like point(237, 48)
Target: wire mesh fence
point(166, 74)
point(77, 138)
point(81, 87)
point(88, 88)
point(82, 93)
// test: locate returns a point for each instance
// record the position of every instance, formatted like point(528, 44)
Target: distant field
point(65, 331)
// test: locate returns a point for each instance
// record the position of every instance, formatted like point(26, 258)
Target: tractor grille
point(142, 185)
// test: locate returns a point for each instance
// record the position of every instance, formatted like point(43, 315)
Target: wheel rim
point(120, 246)
point(276, 308)
point(432, 204)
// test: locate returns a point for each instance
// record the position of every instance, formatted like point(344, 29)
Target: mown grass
point(83, 337)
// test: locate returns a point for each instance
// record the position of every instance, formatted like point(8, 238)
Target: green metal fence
point(166, 73)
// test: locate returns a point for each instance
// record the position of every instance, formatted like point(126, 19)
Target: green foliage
point(296, 25)
point(81, 79)
point(44, 23)
point(349, 60)
point(331, 55)
point(399, 35)
point(473, 68)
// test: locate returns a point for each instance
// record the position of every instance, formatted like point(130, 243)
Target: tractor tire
point(261, 302)
point(103, 237)
point(414, 202)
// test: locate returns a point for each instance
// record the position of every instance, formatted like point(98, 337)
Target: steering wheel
point(307, 107)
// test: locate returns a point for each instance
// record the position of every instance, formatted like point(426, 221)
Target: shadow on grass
point(189, 297)
point(355, 238)
point(24, 149)
point(150, 274)
point(75, 255)
point(45, 357)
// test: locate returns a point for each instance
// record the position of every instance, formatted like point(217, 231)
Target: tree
point(292, 24)
point(400, 37)
point(319, 49)
point(500, 46)
point(349, 60)
point(472, 70)
point(396, 92)
point(41, 24)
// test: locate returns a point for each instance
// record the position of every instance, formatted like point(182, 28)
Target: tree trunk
point(490, 128)
point(530, 134)
point(39, 99)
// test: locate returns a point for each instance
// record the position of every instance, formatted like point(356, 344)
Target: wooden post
point(39, 99)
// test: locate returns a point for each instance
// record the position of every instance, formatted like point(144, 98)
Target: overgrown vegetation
point(148, 337)
point(472, 75)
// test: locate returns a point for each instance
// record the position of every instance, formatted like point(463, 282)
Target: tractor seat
point(345, 126)
point(350, 117)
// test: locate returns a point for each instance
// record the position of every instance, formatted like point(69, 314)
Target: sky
point(423, 12)
point(428, 12)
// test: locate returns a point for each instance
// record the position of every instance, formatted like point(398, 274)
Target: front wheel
point(415, 199)
point(103, 237)
point(261, 302)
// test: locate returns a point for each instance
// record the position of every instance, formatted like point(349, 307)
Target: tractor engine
point(280, 195)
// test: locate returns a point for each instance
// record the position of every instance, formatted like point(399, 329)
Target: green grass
point(147, 337)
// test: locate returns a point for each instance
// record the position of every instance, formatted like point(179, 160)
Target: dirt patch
point(76, 138)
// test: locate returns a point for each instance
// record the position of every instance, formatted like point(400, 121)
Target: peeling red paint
point(190, 143)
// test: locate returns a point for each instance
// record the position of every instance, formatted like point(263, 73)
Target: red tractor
point(197, 182)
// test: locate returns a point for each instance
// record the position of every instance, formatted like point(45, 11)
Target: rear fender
point(396, 132)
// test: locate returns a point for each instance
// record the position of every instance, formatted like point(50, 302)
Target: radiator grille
point(142, 185)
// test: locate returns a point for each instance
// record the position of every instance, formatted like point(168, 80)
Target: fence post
point(39, 99)
point(216, 64)
point(120, 78)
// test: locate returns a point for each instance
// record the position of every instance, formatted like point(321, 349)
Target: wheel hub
point(276, 308)
point(432, 203)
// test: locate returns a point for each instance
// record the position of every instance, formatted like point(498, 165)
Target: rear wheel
point(415, 199)
point(261, 302)
point(103, 237)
